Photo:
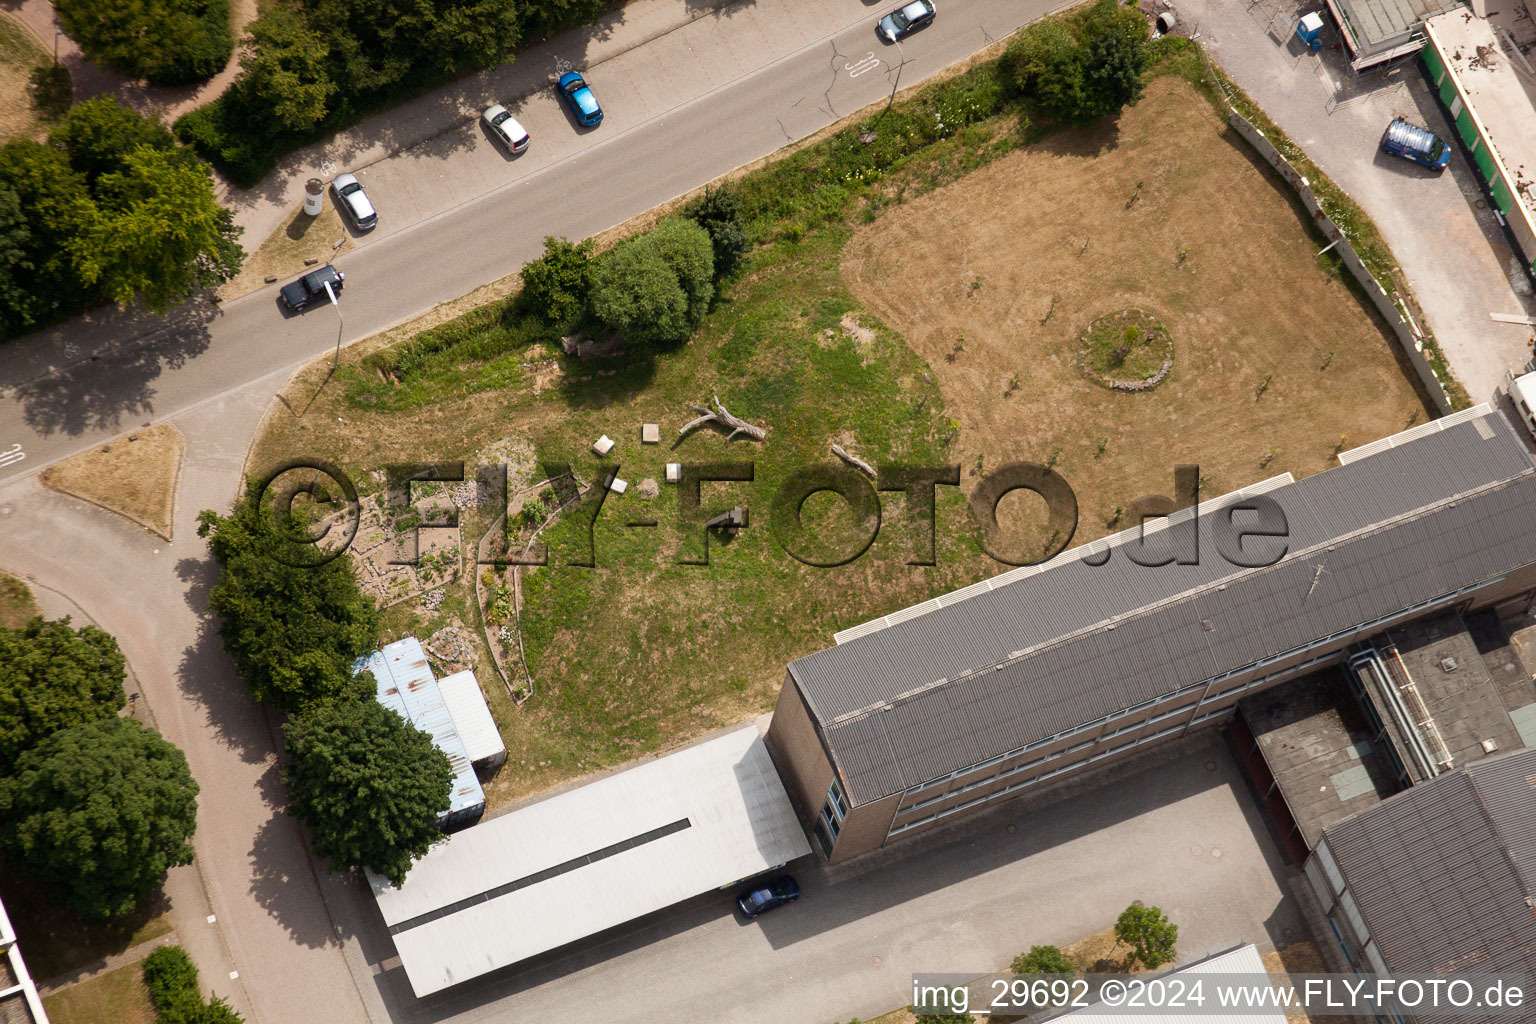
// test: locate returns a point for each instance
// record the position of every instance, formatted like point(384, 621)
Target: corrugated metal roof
point(1244, 960)
point(1444, 873)
point(461, 692)
point(407, 687)
point(591, 858)
point(1053, 649)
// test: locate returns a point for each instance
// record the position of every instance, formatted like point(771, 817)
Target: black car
point(311, 287)
point(764, 896)
point(906, 19)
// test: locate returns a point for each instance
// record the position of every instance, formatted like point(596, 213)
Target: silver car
point(501, 124)
point(906, 19)
point(349, 193)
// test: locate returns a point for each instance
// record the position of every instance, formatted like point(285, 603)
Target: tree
point(637, 294)
point(294, 631)
point(1045, 63)
point(1116, 55)
point(160, 234)
point(171, 42)
point(1149, 933)
point(15, 263)
point(368, 784)
point(1043, 960)
point(549, 16)
point(555, 286)
point(285, 72)
point(99, 134)
point(53, 677)
point(98, 813)
point(56, 207)
point(685, 247)
point(718, 211)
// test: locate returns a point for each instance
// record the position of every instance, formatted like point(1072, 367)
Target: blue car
point(578, 96)
point(764, 896)
point(1422, 146)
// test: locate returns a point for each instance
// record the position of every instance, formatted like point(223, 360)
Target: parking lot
point(1453, 252)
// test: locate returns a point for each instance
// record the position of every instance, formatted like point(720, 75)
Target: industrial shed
point(407, 687)
point(545, 875)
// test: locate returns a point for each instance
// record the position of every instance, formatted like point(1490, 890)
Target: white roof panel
point(1242, 960)
point(461, 692)
point(591, 858)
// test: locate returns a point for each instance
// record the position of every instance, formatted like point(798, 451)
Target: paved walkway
point(92, 80)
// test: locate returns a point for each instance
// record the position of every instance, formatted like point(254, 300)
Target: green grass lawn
point(17, 607)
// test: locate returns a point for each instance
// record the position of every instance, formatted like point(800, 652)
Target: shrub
point(555, 285)
point(655, 288)
point(1149, 933)
point(170, 42)
point(1042, 960)
point(171, 978)
point(718, 211)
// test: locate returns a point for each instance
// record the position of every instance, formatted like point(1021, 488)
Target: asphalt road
point(642, 155)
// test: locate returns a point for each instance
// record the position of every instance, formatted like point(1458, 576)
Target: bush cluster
point(169, 42)
point(1083, 67)
point(110, 209)
point(317, 66)
point(171, 978)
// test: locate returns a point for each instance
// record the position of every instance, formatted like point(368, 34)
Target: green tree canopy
point(1043, 960)
point(53, 677)
point(98, 813)
point(15, 263)
point(655, 288)
point(285, 71)
point(99, 134)
point(171, 978)
point(1149, 933)
point(556, 284)
point(368, 784)
point(56, 208)
point(718, 211)
point(1045, 62)
point(294, 631)
point(1115, 56)
point(160, 234)
point(171, 42)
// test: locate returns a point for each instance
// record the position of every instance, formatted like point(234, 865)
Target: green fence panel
point(1433, 62)
point(1484, 157)
point(1501, 195)
point(1468, 129)
point(1447, 91)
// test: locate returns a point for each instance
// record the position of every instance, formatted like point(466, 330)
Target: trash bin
point(314, 196)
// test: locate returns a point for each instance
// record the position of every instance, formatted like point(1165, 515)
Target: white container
point(314, 197)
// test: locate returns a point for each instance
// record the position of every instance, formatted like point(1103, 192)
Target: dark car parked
point(311, 287)
point(765, 896)
point(906, 19)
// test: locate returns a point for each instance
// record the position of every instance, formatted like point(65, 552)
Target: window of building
point(832, 814)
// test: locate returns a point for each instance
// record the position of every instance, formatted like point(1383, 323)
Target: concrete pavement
point(1453, 253)
point(86, 381)
point(1177, 830)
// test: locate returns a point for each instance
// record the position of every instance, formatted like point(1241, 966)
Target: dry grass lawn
point(117, 997)
point(283, 253)
point(134, 476)
point(993, 278)
point(17, 606)
point(19, 54)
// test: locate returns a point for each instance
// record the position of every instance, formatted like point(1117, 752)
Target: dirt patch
point(283, 253)
point(134, 476)
point(1278, 363)
point(19, 55)
point(17, 606)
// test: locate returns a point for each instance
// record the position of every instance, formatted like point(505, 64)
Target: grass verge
point(17, 606)
point(134, 476)
point(116, 997)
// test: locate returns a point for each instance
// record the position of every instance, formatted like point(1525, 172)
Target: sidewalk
point(132, 955)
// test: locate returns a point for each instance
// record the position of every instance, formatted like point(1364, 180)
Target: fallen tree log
point(719, 414)
point(854, 461)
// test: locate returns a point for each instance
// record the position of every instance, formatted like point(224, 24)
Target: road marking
point(858, 67)
point(562, 65)
point(12, 455)
point(71, 350)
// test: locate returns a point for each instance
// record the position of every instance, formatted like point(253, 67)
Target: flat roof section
point(591, 858)
point(1498, 78)
point(1379, 26)
point(1242, 960)
point(1319, 746)
point(471, 715)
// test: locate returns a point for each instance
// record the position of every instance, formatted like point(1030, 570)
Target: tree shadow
point(282, 875)
point(207, 675)
point(82, 375)
point(601, 382)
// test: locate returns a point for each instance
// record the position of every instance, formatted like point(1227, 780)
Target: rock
point(569, 343)
point(647, 488)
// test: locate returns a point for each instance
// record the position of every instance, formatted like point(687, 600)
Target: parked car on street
point(1422, 146)
point(578, 96)
point(504, 128)
point(311, 287)
point(359, 208)
point(906, 19)
point(766, 895)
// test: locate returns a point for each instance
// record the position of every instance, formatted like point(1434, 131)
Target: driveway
point(1179, 833)
point(1452, 251)
point(671, 128)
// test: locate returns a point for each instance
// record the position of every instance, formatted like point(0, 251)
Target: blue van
point(1420, 145)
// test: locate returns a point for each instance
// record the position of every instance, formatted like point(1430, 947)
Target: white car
point(501, 124)
point(349, 193)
